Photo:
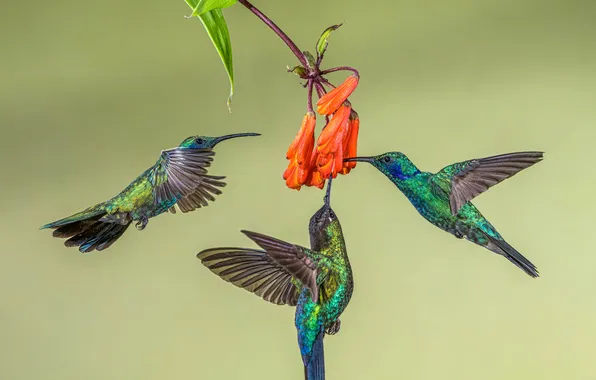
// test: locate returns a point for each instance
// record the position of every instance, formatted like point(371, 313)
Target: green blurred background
point(91, 92)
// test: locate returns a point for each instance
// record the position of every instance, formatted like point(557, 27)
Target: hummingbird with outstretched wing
point(318, 281)
point(178, 179)
point(444, 198)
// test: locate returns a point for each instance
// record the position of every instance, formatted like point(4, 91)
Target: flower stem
point(309, 99)
point(341, 68)
point(326, 82)
point(320, 89)
point(297, 52)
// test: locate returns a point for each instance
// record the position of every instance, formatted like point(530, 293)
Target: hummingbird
point(444, 198)
point(179, 177)
point(318, 281)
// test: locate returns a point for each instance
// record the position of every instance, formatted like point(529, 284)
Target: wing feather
point(254, 271)
point(465, 180)
point(298, 261)
point(180, 175)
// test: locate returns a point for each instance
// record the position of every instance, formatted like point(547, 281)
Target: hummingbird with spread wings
point(318, 281)
point(178, 178)
point(444, 198)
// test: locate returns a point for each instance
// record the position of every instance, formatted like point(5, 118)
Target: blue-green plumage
point(317, 280)
point(444, 198)
point(178, 178)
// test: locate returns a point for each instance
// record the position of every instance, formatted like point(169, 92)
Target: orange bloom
point(304, 137)
point(333, 133)
point(351, 142)
point(330, 145)
point(299, 153)
point(312, 165)
point(331, 101)
point(314, 177)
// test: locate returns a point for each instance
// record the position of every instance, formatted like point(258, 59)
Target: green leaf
point(309, 57)
point(322, 42)
point(203, 6)
point(298, 70)
point(216, 27)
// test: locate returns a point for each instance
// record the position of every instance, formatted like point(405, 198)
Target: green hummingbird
point(444, 198)
point(179, 177)
point(318, 281)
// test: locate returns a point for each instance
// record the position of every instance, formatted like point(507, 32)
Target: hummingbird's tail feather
point(88, 230)
point(97, 236)
point(315, 367)
point(91, 213)
point(503, 248)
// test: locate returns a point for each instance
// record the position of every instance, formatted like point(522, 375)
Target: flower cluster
point(310, 164)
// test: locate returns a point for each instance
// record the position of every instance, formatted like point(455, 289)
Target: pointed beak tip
point(247, 134)
point(235, 135)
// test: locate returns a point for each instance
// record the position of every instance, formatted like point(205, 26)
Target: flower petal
point(334, 132)
point(332, 100)
point(292, 178)
point(307, 128)
point(351, 141)
point(339, 161)
point(315, 179)
point(325, 164)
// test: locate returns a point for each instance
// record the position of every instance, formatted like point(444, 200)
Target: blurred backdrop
point(91, 92)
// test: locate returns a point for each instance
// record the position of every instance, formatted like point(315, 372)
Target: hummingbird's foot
point(334, 328)
point(142, 223)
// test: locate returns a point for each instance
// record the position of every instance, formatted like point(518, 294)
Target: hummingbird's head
point(392, 164)
point(324, 223)
point(206, 142)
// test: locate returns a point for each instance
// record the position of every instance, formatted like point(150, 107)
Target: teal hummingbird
point(444, 198)
point(318, 281)
point(178, 178)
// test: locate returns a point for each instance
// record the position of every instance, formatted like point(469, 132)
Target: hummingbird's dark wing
point(298, 261)
point(180, 175)
point(465, 180)
point(253, 270)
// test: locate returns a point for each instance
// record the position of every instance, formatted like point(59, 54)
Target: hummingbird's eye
point(199, 141)
point(387, 159)
point(331, 215)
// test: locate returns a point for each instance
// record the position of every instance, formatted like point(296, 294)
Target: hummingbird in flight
point(444, 198)
point(178, 178)
point(318, 281)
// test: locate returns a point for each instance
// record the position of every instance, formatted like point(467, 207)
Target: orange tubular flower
point(331, 101)
point(299, 153)
point(330, 145)
point(333, 133)
point(351, 142)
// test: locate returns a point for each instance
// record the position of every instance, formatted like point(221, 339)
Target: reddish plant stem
point(341, 68)
point(288, 41)
point(326, 82)
point(309, 99)
point(320, 90)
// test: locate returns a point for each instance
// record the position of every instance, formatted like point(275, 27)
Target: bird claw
point(141, 224)
point(334, 328)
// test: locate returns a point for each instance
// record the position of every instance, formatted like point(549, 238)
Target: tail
point(86, 231)
point(91, 213)
point(503, 248)
point(315, 367)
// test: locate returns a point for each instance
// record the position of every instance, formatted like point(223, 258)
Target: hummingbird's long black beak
point(327, 198)
point(359, 159)
point(233, 136)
